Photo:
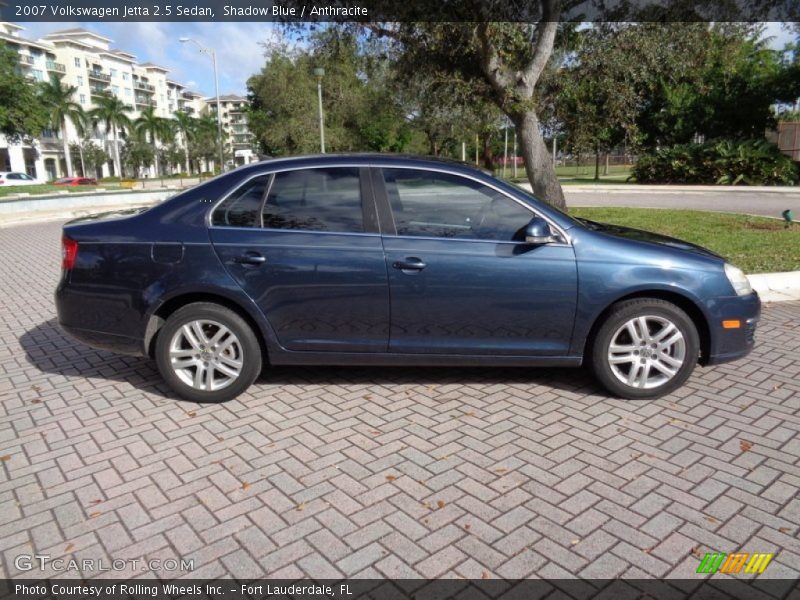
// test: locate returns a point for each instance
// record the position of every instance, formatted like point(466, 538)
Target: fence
point(588, 160)
point(787, 138)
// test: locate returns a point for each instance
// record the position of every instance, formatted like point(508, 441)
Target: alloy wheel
point(206, 355)
point(646, 352)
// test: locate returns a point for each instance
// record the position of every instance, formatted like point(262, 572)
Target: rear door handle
point(250, 258)
point(412, 263)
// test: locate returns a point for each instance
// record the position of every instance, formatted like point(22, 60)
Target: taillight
point(69, 252)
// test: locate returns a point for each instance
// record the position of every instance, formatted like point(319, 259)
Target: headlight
point(738, 280)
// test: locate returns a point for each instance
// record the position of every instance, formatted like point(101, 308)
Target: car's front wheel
point(645, 348)
point(207, 353)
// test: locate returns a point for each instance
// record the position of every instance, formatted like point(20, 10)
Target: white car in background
point(17, 178)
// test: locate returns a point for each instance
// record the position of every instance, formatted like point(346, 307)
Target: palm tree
point(58, 99)
point(149, 124)
point(206, 130)
point(114, 113)
point(185, 125)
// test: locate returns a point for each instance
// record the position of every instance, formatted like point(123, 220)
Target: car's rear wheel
point(645, 348)
point(207, 353)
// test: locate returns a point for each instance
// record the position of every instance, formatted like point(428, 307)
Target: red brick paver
point(386, 472)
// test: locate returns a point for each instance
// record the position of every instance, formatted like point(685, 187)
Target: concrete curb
point(635, 188)
point(776, 287)
point(62, 215)
point(679, 189)
point(45, 208)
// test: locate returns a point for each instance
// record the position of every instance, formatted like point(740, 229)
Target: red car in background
point(76, 181)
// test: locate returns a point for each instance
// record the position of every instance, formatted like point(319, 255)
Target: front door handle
point(250, 258)
point(412, 263)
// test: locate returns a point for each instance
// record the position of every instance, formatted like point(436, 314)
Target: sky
point(239, 53)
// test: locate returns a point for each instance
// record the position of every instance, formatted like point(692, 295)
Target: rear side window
point(243, 206)
point(315, 200)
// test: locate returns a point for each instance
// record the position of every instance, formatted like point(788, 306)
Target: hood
point(640, 235)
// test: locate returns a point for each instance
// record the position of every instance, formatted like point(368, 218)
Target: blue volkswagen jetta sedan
point(390, 260)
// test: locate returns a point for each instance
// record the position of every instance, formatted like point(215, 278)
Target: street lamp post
point(515, 153)
point(319, 73)
point(210, 52)
point(505, 150)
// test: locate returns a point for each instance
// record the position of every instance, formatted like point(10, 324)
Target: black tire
point(248, 351)
point(621, 314)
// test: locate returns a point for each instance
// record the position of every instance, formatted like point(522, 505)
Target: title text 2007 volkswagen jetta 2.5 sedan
point(388, 260)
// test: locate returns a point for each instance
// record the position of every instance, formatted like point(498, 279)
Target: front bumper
point(731, 344)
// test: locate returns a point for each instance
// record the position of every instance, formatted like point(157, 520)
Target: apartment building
point(238, 141)
point(87, 61)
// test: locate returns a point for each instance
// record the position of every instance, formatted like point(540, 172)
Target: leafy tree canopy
point(359, 110)
point(23, 115)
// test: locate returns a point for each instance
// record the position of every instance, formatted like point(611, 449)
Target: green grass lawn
point(577, 175)
point(7, 190)
point(755, 244)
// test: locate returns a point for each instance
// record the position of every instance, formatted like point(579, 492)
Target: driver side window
point(432, 204)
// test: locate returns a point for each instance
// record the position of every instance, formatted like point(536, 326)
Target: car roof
point(374, 158)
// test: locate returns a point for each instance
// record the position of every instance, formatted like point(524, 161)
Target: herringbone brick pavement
point(329, 472)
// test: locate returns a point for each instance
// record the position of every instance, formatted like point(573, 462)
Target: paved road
point(756, 202)
point(769, 204)
point(327, 472)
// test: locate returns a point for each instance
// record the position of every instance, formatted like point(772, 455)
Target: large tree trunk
point(538, 162)
point(67, 157)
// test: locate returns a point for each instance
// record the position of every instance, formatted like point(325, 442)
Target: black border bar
point(707, 588)
point(310, 11)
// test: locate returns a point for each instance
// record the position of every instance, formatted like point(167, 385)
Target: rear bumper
point(86, 321)
point(731, 344)
point(106, 341)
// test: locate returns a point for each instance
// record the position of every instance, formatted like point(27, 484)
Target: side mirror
point(538, 231)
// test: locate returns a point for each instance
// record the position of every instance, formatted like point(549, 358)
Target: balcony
point(140, 85)
point(97, 75)
point(25, 60)
point(56, 67)
point(142, 101)
point(97, 91)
